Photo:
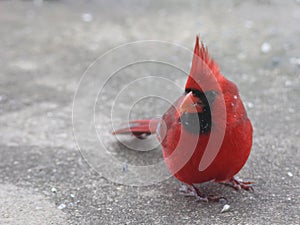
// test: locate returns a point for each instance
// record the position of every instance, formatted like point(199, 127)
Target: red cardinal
point(206, 134)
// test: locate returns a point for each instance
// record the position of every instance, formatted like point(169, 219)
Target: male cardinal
point(206, 134)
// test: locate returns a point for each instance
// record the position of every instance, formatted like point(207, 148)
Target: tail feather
point(139, 128)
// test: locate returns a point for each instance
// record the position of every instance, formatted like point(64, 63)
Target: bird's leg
point(206, 198)
point(238, 184)
point(199, 195)
point(192, 190)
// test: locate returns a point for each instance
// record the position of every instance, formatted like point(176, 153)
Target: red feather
point(204, 71)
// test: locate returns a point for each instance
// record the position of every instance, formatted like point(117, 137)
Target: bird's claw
point(238, 184)
point(200, 197)
point(187, 191)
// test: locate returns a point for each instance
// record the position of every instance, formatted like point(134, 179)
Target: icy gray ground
point(47, 45)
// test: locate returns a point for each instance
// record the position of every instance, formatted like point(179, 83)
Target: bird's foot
point(187, 191)
point(238, 184)
point(195, 192)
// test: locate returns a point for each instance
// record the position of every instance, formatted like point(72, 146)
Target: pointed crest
point(204, 70)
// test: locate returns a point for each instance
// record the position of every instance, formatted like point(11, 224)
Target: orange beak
point(190, 104)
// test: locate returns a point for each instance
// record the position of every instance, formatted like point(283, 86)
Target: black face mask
point(199, 123)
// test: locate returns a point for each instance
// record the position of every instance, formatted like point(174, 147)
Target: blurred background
point(46, 46)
